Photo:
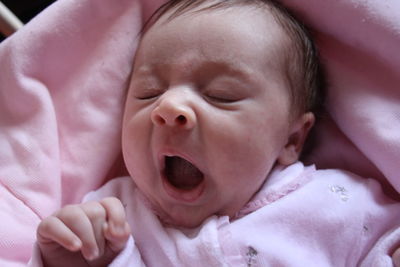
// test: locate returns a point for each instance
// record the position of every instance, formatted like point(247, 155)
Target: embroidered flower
point(341, 191)
point(251, 256)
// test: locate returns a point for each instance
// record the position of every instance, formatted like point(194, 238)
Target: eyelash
point(146, 97)
point(222, 100)
point(148, 94)
point(224, 96)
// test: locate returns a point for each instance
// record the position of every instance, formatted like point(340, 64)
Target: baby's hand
point(89, 234)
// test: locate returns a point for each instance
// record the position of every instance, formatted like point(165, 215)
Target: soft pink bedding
point(62, 83)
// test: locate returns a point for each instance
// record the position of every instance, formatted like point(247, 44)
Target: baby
point(221, 101)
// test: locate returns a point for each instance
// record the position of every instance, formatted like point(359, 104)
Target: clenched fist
point(88, 234)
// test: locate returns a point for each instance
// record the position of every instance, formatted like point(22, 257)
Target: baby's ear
point(300, 128)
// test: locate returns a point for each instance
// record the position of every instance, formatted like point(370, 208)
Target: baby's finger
point(77, 221)
point(53, 230)
point(97, 216)
point(115, 212)
point(116, 230)
point(117, 239)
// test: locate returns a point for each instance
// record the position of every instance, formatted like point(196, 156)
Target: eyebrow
point(217, 67)
point(208, 71)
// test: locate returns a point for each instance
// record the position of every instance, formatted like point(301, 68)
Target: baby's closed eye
point(225, 92)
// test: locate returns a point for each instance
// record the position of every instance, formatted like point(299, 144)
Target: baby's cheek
point(128, 152)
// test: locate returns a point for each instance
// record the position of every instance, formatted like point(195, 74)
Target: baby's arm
point(89, 234)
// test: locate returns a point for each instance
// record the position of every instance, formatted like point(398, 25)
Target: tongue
point(181, 173)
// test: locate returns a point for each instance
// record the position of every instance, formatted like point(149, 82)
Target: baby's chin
point(182, 217)
point(189, 219)
point(180, 221)
point(177, 219)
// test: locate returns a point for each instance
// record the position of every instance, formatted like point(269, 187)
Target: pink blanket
point(64, 75)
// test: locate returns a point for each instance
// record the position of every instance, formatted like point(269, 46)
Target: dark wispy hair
point(303, 68)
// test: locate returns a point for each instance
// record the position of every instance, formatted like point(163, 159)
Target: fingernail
point(76, 245)
point(105, 226)
point(93, 255)
point(115, 229)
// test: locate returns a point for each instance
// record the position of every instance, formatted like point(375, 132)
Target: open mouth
point(182, 174)
point(182, 179)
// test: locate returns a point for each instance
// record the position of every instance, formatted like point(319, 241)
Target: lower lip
point(188, 196)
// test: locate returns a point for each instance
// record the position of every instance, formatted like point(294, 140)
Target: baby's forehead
point(241, 13)
point(188, 8)
point(246, 26)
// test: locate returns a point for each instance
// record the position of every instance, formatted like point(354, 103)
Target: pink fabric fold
point(63, 78)
point(62, 85)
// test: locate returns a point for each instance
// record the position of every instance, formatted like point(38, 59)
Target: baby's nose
point(174, 113)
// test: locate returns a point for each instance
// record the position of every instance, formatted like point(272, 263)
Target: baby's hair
point(304, 72)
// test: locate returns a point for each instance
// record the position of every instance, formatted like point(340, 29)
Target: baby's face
point(208, 112)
